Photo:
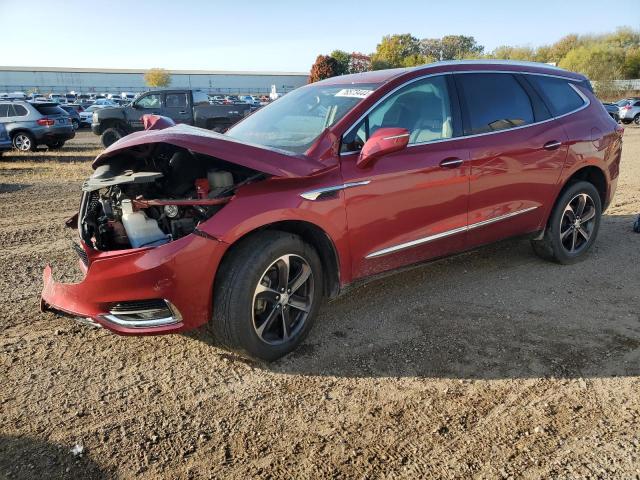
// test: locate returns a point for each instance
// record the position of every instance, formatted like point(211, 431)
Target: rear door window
point(4, 110)
point(558, 94)
point(493, 102)
point(176, 100)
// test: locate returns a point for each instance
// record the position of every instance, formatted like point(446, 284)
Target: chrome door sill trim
point(438, 236)
point(314, 194)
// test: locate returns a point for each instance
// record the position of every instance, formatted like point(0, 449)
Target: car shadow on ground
point(13, 187)
point(495, 313)
point(24, 458)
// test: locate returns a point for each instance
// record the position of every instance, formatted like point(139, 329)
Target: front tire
point(75, 124)
point(267, 294)
point(573, 226)
point(636, 119)
point(111, 136)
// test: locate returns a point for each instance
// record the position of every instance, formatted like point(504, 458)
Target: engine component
point(102, 179)
point(182, 227)
point(219, 181)
point(171, 211)
point(202, 187)
point(141, 230)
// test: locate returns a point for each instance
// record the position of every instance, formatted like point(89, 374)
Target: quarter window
point(558, 94)
point(19, 111)
point(493, 102)
point(422, 107)
point(4, 110)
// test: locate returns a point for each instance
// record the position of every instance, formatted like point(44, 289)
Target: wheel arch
point(311, 234)
point(113, 123)
point(594, 175)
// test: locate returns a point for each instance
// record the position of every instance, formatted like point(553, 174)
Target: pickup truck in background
point(182, 106)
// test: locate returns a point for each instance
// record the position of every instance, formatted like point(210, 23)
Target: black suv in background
point(182, 106)
point(32, 124)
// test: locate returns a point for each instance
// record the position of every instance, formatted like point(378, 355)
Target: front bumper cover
point(180, 272)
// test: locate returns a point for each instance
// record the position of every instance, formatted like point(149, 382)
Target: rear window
point(559, 95)
point(493, 102)
point(49, 109)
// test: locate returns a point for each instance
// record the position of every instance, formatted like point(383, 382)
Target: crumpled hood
point(263, 159)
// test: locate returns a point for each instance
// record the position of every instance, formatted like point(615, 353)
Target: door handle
point(451, 162)
point(182, 112)
point(552, 145)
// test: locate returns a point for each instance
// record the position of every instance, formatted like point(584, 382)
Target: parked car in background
point(336, 182)
point(232, 99)
point(250, 99)
point(182, 106)
point(104, 101)
point(630, 111)
point(32, 124)
point(87, 114)
point(128, 96)
point(57, 98)
point(5, 140)
point(217, 99)
point(74, 115)
point(613, 110)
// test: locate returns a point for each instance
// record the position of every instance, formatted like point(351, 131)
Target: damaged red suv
point(332, 184)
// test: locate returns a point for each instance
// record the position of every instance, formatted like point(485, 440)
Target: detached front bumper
point(126, 291)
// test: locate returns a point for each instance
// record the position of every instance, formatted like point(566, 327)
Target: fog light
point(143, 313)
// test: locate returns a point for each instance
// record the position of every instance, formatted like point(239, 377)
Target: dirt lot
point(493, 364)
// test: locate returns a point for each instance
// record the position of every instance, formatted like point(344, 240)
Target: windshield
point(295, 121)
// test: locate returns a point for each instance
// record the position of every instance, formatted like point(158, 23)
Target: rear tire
point(75, 123)
point(58, 144)
point(573, 225)
point(24, 142)
point(636, 119)
point(253, 313)
point(111, 136)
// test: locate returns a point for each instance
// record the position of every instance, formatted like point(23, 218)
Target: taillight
point(46, 122)
point(626, 107)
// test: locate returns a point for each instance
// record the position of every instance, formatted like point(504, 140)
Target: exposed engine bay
point(149, 197)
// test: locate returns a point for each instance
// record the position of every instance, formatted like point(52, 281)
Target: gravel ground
point(492, 364)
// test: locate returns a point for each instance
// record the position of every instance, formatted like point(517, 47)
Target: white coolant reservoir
point(141, 230)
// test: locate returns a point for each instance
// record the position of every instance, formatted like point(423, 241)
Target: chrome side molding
point(438, 236)
point(314, 194)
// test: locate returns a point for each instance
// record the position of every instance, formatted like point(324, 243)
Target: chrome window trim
point(314, 194)
point(438, 236)
point(586, 104)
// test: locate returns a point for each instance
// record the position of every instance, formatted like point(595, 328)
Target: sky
point(272, 35)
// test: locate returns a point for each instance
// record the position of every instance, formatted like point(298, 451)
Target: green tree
point(458, 47)
point(324, 67)
point(450, 47)
point(157, 77)
point(506, 52)
point(559, 50)
point(394, 49)
point(600, 62)
point(342, 59)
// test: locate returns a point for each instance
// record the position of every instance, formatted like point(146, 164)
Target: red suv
point(332, 184)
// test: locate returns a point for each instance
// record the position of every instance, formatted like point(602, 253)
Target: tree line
point(602, 58)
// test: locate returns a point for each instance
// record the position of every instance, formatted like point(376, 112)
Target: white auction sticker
point(354, 92)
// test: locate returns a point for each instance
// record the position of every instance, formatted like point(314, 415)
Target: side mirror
point(383, 142)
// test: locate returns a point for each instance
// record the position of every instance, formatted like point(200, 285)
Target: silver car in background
point(629, 110)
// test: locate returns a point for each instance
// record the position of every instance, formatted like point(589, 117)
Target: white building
point(99, 80)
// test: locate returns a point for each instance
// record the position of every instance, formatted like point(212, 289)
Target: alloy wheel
point(577, 223)
point(22, 142)
point(282, 300)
